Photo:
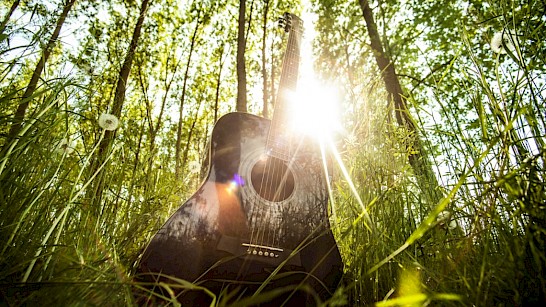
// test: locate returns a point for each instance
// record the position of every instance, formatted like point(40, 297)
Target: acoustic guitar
point(258, 224)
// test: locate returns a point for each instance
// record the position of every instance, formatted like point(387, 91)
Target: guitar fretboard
point(279, 140)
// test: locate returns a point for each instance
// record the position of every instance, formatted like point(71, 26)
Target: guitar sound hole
point(272, 179)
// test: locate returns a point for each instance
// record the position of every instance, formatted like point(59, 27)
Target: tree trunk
point(8, 16)
point(416, 154)
point(241, 67)
point(182, 100)
point(121, 86)
point(135, 167)
point(119, 99)
point(155, 130)
point(265, 110)
point(31, 87)
point(190, 134)
point(249, 21)
point(218, 80)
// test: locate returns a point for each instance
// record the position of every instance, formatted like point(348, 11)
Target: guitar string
point(294, 55)
point(260, 213)
point(272, 170)
point(257, 206)
point(266, 170)
point(277, 184)
point(283, 179)
point(268, 188)
point(272, 185)
point(271, 144)
point(282, 173)
point(276, 196)
point(259, 210)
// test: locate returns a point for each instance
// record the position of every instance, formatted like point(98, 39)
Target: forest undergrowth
point(63, 243)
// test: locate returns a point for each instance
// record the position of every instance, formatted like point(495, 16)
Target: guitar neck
point(279, 141)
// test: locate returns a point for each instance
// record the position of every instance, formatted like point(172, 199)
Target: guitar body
point(253, 213)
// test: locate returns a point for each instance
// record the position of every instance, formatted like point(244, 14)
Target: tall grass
point(484, 243)
point(57, 249)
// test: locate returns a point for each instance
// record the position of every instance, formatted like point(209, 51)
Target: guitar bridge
point(271, 255)
point(261, 250)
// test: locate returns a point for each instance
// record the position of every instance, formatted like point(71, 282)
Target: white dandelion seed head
point(504, 40)
point(65, 147)
point(108, 122)
point(194, 167)
point(497, 43)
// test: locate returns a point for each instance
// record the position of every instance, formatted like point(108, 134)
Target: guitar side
point(233, 229)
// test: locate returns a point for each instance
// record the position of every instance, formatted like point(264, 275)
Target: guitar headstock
point(290, 22)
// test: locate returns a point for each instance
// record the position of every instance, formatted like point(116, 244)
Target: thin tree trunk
point(218, 80)
point(190, 134)
point(265, 110)
point(203, 147)
point(417, 156)
point(121, 86)
point(31, 87)
point(150, 177)
point(183, 98)
point(155, 130)
point(144, 90)
point(249, 21)
point(135, 167)
point(8, 16)
point(217, 94)
point(241, 67)
point(119, 99)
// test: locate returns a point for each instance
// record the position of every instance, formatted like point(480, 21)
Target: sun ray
point(350, 182)
point(328, 183)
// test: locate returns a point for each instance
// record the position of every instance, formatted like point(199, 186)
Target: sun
point(314, 109)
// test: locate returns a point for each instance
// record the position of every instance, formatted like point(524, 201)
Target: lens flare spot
point(235, 183)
